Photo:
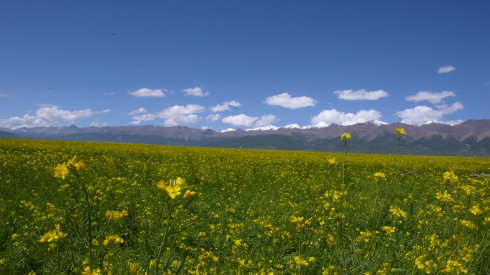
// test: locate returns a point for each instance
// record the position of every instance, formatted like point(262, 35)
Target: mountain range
point(470, 138)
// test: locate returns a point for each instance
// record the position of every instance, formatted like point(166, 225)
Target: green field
point(119, 209)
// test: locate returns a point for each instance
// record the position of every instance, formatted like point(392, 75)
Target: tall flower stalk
point(400, 132)
point(345, 137)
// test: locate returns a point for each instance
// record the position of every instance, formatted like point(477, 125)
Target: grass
point(254, 211)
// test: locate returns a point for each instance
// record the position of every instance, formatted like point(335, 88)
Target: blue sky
point(242, 64)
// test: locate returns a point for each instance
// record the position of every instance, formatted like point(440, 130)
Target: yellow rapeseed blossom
point(53, 235)
point(475, 210)
point(115, 215)
point(444, 197)
point(364, 236)
point(345, 136)
point(400, 131)
point(389, 230)
point(397, 212)
point(300, 262)
point(61, 171)
point(379, 176)
point(173, 189)
point(112, 239)
point(454, 267)
point(332, 161)
point(89, 271)
point(450, 177)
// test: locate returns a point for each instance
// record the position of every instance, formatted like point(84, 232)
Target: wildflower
point(332, 161)
point(112, 239)
point(53, 235)
point(345, 137)
point(61, 171)
point(475, 210)
point(300, 262)
point(397, 212)
point(400, 131)
point(115, 215)
point(450, 177)
point(389, 230)
point(364, 236)
point(468, 224)
point(89, 271)
point(454, 267)
point(378, 176)
point(188, 194)
point(173, 188)
point(444, 197)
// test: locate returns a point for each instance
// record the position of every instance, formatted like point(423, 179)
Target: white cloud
point(360, 94)
point(49, 115)
point(327, 117)
point(196, 91)
point(445, 69)
point(145, 92)
point(213, 117)
point(225, 106)
point(266, 120)
point(240, 120)
point(430, 96)
point(178, 115)
point(4, 95)
point(422, 114)
point(140, 110)
point(287, 101)
point(137, 119)
point(250, 121)
point(98, 124)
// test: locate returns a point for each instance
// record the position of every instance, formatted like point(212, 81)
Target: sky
point(243, 64)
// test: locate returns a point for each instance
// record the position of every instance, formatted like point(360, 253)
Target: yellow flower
point(400, 131)
point(53, 235)
point(112, 239)
point(345, 136)
point(397, 212)
point(332, 161)
point(89, 271)
point(364, 236)
point(475, 210)
point(444, 197)
point(172, 191)
point(300, 262)
point(115, 215)
point(173, 188)
point(133, 268)
point(188, 194)
point(389, 230)
point(450, 176)
point(61, 171)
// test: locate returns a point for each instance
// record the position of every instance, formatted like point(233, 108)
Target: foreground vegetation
point(73, 207)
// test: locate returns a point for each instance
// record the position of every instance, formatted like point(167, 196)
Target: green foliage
point(254, 211)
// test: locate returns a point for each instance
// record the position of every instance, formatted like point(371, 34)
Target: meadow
point(102, 208)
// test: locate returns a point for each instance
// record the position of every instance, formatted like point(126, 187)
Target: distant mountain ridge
point(470, 138)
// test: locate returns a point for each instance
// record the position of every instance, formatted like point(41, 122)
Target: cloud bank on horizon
point(190, 114)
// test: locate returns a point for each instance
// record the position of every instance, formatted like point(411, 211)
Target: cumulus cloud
point(327, 117)
point(145, 92)
point(250, 121)
point(266, 120)
point(213, 117)
point(360, 94)
point(287, 101)
point(430, 96)
point(196, 91)
point(178, 115)
point(240, 120)
point(445, 69)
point(137, 119)
point(49, 115)
point(423, 114)
point(140, 110)
point(225, 106)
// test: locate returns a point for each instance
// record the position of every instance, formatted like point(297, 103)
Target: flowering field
point(90, 208)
